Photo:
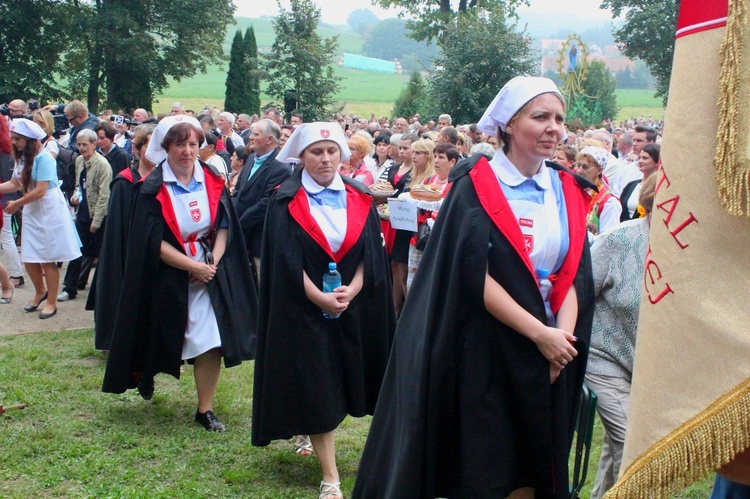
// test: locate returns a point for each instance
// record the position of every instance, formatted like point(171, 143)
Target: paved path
point(70, 314)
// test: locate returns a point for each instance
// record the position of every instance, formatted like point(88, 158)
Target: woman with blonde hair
point(424, 161)
point(356, 167)
point(44, 119)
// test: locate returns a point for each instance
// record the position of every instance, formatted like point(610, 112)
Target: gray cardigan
point(618, 257)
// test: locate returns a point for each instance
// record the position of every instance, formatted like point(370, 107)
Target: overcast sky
point(336, 11)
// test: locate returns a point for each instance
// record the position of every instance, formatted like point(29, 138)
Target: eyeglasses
point(582, 166)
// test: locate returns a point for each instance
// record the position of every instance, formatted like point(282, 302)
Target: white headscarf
point(27, 128)
point(599, 155)
point(512, 97)
point(155, 152)
point(307, 134)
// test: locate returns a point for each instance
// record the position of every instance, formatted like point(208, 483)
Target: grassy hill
point(361, 92)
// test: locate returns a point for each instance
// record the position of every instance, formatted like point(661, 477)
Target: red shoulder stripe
point(167, 211)
point(299, 208)
point(576, 204)
point(358, 206)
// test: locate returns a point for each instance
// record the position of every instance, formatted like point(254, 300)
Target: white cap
point(307, 134)
point(155, 153)
point(512, 97)
point(27, 128)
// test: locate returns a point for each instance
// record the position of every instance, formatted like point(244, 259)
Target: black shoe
point(146, 387)
point(19, 281)
point(209, 421)
point(30, 308)
point(42, 315)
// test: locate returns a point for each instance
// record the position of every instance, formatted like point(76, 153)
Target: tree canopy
point(600, 86)
point(648, 34)
point(390, 40)
point(432, 18)
point(122, 51)
point(362, 19)
point(480, 54)
point(299, 66)
point(413, 98)
point(251, 54)
point(237, 85)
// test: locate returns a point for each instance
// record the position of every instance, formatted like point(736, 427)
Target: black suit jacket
point(245, 134)
point(251, 197)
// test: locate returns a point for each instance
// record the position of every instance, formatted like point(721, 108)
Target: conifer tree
point(253, 74)
point(237, 87)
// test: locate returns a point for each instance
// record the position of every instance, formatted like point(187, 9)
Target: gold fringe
point(732, 177)
point(701, 445)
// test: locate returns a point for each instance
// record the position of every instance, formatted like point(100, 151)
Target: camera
point(119, 120)
point(61, 123)
point(6, 111)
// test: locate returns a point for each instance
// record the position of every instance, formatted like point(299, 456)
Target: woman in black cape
point(189, 293)
point(110, 269)
point(479, 395)
point(311, 371)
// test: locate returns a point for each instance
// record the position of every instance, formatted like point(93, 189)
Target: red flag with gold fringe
point(690, 399)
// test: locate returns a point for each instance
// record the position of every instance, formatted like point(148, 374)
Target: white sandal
point(329, 490)
point(303, 446)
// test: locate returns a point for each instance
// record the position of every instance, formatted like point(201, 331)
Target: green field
point(75, 441)
point(361, 93)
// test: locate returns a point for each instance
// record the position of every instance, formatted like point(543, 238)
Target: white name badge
point(403, 214)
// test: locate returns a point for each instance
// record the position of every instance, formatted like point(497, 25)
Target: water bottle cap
point(542, 273)
point(332, 266)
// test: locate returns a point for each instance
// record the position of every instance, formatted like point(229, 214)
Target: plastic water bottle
point(545, 287)
point(331, 281)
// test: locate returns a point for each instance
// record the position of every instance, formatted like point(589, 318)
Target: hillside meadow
point(361, 93)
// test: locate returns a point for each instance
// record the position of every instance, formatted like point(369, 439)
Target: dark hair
point(4, 136)
point(241, 153)
point(382, 137)
point(650, 132)
point(28, 155)
point(449, 150)
point(180, 133)
point(212, 138)
point(451, 133)
point(653, 150)
point(109, 129)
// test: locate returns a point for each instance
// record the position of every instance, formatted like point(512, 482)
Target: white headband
point(512, 97)
point(155, 152)
point(309, 133)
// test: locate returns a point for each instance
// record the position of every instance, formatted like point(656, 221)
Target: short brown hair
point(109, 129)
point(142, 133)
point(180, 133)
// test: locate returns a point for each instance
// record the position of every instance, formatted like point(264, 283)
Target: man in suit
point(260, 175)
point(243, 126)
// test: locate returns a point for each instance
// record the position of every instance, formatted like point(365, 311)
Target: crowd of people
point(468, 333)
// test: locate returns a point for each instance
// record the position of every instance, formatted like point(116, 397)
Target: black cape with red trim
point(152, 311)
point(466, 407)
point(108, 276)
point(310, 372)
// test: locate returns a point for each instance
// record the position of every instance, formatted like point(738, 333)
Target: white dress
point(194, 220)
point(49, 234)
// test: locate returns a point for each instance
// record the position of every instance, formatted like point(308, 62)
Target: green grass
point(74, 441)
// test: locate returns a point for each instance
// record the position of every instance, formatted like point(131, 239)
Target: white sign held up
point(403, 214)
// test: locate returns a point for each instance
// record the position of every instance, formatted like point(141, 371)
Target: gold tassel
point(701, 445)
point(732, 173)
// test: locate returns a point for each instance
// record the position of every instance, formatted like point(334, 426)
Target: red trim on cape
point(127, 174)
point(213, 186)
point(496, 206)
point(576, 204)
point(358, 206)
point(701, 15)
